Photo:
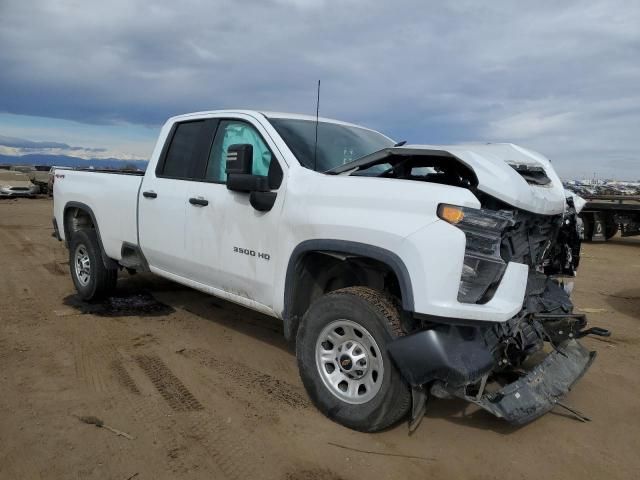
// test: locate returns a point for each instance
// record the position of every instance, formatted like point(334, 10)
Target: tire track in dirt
point(259, 383)
point(57, 268)
point(313, 474)
point(92, 365)
point(123, 377)
point(4, 349)
point(196, 438)
point(144, 412)
point(170, 387)
point(13, 279)
point(233, 449)
point(42, 257)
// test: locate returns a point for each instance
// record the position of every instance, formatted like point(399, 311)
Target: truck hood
point(501, 170)
point(517, 176)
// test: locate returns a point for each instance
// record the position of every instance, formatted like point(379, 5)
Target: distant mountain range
point(69, 161)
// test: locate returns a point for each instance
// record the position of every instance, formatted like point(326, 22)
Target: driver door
point(233, 243)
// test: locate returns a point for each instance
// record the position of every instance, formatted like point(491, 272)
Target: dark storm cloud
point(560, 77)
point(26, 145)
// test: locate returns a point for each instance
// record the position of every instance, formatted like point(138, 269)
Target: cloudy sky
point(97, 79)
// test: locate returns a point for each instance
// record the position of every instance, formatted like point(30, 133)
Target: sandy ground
point(210, 390)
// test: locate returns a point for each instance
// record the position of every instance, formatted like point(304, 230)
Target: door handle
point(199, 202)
point(149, 194)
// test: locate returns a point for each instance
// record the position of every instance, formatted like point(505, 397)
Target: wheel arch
point(296, 301)
point(74, 210)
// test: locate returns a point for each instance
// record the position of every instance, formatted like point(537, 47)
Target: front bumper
point(540, 389)
point(454, 363)
point(4, 192)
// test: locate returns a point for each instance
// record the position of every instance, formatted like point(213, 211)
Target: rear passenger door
point(164, 198)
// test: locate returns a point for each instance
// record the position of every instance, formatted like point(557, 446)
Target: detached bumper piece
point(457, 362)
point(540, 389)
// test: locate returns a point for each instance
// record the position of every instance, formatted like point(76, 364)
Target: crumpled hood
point(492, 162)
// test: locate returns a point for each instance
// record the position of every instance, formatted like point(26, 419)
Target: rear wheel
point(341, 347)
point(90, 276)
point(610, 227)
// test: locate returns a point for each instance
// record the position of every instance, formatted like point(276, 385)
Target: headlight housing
point(483, 265)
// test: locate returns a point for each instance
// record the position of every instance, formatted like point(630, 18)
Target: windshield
point(337, 144)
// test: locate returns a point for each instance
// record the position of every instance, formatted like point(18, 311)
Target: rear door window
point(180, 158)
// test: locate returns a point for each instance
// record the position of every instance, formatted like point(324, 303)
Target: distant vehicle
point(400, 270)
point(16, 184)
point(22, 168)
point(37, 177)
point(605, 215)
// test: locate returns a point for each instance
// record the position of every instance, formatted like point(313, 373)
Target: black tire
point(374, 311)
point(610, 227)
point(101, 280)
point(587, 222)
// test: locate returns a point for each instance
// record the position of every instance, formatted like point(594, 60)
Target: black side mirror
point(240, 158)
point(244, 182)
point(240, 179)
point(239, 166)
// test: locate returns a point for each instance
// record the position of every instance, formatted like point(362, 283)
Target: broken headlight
point(483, 266)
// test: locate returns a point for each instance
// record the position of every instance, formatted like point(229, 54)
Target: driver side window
point(232, 132)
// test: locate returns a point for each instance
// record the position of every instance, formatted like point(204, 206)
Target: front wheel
point(90, 276)
point(341, 347)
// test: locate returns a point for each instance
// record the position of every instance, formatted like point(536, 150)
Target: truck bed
point(112, 197)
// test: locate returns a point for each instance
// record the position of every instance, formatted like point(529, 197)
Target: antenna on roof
point(315, 148)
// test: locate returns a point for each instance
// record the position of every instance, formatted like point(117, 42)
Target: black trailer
point(605, 215)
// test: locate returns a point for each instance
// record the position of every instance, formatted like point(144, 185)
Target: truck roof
point(267, 114)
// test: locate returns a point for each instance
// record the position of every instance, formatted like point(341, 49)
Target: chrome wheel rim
point(349, 361)
point(82, 264)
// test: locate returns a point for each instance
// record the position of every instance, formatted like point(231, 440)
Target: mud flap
point(418, 407)
point(541, 388)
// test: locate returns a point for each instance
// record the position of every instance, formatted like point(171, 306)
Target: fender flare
point(108, 262)
point(389, 258)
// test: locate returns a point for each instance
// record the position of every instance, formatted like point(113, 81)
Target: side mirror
point(245, 182)
point(239, 166)
point(239, 178)
point(240, 159)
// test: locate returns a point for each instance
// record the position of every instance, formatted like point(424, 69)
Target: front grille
point(19, 189)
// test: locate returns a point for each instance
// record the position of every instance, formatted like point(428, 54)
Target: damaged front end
point(519, 369)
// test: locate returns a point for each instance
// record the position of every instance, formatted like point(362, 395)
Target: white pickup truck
point(400, 271)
